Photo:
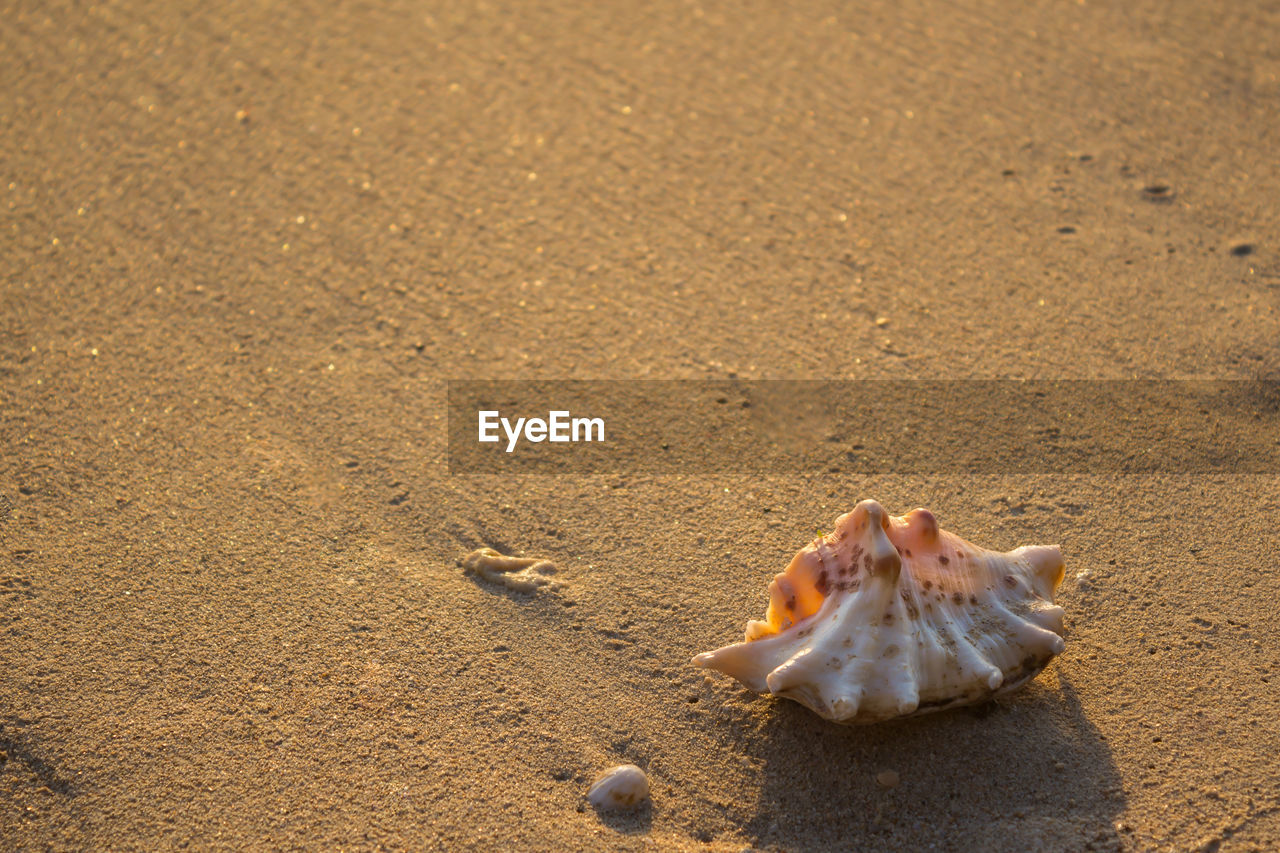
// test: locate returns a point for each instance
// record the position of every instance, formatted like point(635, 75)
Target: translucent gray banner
point(865, 426)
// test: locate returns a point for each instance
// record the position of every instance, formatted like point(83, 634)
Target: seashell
point(890, 617)
point(621, 787)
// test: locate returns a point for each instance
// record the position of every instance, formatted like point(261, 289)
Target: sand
point(246, 244)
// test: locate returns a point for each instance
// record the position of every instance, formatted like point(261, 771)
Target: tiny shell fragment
point(890, 616)
point(622, 787)
point(522, 574)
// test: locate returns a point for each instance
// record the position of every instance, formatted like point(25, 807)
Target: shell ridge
point(775, 650)
point(823, 629)
point(1029, 632)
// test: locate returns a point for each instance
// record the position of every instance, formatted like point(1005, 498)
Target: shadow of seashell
point(1042, 771)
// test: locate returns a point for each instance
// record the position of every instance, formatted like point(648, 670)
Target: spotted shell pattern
point(890, 616)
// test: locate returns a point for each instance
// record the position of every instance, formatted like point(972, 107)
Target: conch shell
point(890, 616)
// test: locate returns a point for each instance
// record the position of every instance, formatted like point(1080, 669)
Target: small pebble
point(622, 787)
point(887, 778)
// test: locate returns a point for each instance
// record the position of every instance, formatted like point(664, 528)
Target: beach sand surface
point(246, 244)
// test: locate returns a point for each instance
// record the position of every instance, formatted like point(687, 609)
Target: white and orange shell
point(889, 616)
